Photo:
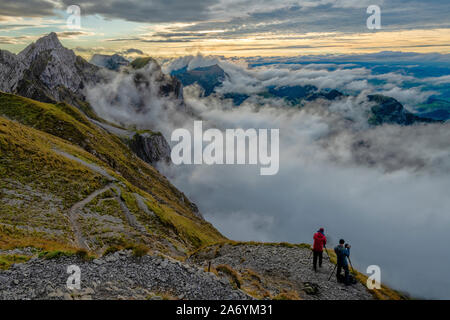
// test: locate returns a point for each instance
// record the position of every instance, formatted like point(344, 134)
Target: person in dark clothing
point(343, 252)
point(319, 242)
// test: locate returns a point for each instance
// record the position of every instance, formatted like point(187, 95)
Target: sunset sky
point(229, 27)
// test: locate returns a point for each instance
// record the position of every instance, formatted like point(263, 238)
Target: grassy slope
point(28, 157)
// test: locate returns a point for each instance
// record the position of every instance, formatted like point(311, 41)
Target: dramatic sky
point(230, 27)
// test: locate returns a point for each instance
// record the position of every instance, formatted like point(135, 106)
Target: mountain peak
point(49, 41)
point(45, 43)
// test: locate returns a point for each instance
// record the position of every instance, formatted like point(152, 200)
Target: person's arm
point(347, 252)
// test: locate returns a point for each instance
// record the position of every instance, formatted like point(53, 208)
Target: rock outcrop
point(150, 147)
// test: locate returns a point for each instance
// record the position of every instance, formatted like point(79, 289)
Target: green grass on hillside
point(141, 62)
point(35, 177)
point(70, 124)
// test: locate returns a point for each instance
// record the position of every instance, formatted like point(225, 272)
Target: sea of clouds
point(383, 189)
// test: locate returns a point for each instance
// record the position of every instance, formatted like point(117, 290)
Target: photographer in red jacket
point(319, 241)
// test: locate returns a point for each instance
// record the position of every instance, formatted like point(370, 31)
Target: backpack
point(351, 279)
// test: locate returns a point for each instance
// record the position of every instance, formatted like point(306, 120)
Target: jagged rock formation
point(46, 71)
point(112, 62)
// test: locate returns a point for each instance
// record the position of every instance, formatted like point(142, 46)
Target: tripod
point(335, 266)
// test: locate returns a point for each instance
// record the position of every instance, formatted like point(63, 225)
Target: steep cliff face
point(11, 71)
point(150, 146)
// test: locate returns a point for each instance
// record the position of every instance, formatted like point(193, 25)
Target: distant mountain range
point(114, 62)
point(386, 109)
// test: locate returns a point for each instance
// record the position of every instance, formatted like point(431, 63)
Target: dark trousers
point(317, 254)
point(346, 272)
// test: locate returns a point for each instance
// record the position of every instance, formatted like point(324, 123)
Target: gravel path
point(74, 215)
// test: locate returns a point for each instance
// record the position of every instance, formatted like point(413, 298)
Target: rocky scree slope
point(222, 271)
point(118, 275)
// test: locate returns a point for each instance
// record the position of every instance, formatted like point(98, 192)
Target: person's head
point(341, 242)
point(321, 230)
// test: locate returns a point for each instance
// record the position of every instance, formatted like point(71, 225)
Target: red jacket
point(319, 241)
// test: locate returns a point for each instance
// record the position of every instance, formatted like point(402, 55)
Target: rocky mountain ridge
point(384, 109)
